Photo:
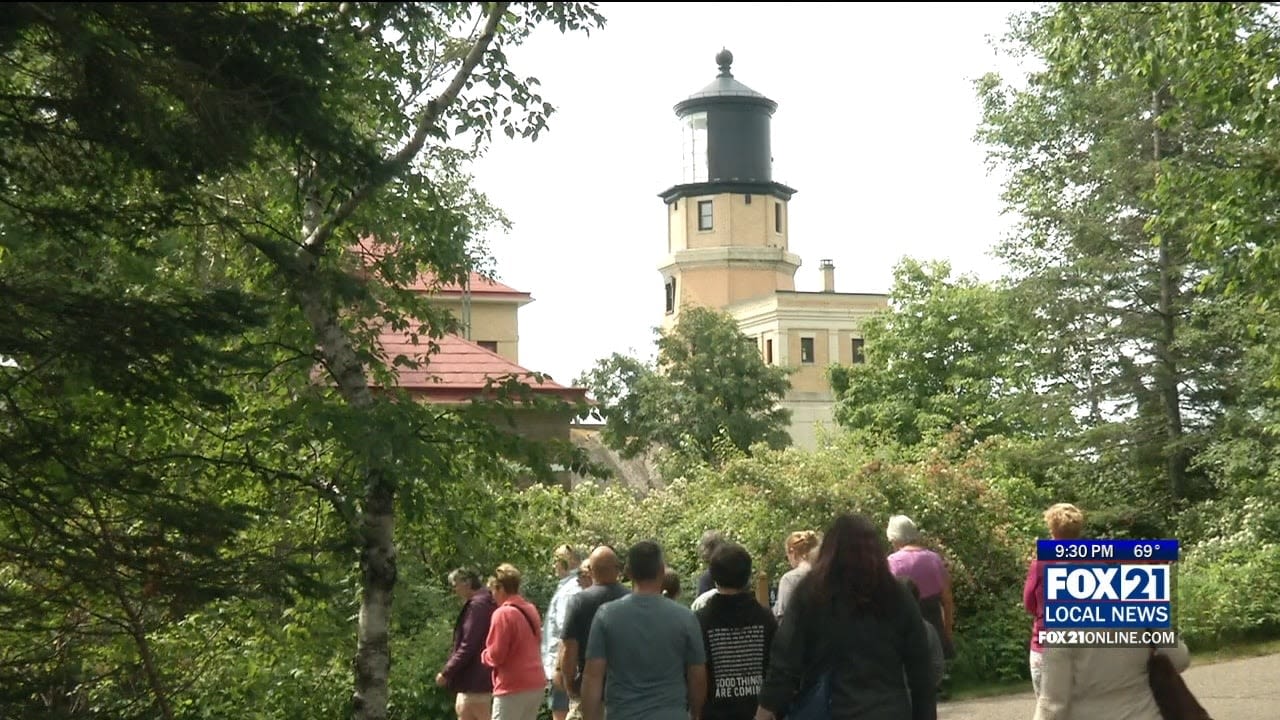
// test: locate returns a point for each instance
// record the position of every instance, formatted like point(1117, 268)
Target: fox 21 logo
point(1120, 583)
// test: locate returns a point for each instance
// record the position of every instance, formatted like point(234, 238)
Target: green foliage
point(192, 348)
point(122, 445)
point(1129, 326)
point(957, 494)
point(950, 353)
point(709, 392)
point(1217, 62)
point(1140, 156)
point(1224, 588)
point(182, 184)
point(974, 507)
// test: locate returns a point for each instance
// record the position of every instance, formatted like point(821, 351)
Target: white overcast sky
point(875, 124)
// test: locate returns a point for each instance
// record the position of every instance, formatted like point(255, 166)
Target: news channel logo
point(1109, 593)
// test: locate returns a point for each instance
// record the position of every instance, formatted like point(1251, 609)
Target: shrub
point(963, 507)
point(1225, 592)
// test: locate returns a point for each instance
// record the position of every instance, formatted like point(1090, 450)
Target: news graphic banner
point(1108, 593)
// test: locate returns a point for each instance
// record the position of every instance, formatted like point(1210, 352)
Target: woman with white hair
point(911, 559)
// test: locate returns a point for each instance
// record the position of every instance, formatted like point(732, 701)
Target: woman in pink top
point(514, 650)
point(1065, 522)
point(927, 570)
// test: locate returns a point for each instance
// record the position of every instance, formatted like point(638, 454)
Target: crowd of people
point(856, 630)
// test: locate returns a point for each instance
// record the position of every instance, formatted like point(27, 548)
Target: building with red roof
point(461, 369)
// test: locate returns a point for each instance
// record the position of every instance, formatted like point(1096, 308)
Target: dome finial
point(724, 59)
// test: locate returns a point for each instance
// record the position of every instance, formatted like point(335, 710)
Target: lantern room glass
point(695, 148)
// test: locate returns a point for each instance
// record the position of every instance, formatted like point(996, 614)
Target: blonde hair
point(1065, 521)
point(802, 542)
point(506, 577)
point(566, 557)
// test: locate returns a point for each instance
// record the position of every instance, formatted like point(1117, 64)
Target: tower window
point(806, 350)
point(768, 351)
point(777, 217)
point(704, 215)
point(490, 345)
point(748, 198)
point(858, 355)
point(671, 295)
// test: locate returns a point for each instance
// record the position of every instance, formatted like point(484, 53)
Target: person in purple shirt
point(464, 673)
point(911, 559)
point(1065, 522)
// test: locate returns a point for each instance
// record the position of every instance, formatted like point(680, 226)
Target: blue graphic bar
point(1108, 550)
point(1089, 615)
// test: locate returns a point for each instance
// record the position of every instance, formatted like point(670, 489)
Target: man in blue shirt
point(645, 657)
point(566, 567)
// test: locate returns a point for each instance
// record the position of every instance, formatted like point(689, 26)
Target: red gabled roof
point(369, 248)
point(460, 369)
point(480, 285)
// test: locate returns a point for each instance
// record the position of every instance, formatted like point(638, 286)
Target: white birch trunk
point(372, 663)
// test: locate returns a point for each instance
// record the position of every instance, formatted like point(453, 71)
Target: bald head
point(604, 565)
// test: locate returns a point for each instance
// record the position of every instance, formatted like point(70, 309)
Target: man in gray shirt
point(649, 647)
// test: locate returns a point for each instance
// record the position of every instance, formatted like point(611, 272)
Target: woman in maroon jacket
point(1065, 522)
point(464, 673)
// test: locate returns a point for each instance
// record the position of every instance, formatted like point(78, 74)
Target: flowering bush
point(956, 498)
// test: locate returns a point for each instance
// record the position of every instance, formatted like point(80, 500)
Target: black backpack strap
point(532, 628)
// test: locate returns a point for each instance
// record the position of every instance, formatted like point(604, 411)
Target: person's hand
point(440, 681)
point(763, 714)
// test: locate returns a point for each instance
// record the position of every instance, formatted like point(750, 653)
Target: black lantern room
point(726, 140)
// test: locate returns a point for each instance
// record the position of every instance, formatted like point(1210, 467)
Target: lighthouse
point(729, 248)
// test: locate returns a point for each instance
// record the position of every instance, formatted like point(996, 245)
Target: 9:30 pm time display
point(1108, 550)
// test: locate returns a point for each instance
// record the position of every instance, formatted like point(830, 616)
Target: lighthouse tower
point(729, 247)
point(727, 238)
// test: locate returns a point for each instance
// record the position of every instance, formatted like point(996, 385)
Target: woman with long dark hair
point(851, 633)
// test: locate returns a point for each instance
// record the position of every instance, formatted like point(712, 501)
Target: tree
point(1211, 66)
point(709, 385)
point(131, 491)
point(309, 205)
point(949, 352)
point(248, 148)
point(1107, 269)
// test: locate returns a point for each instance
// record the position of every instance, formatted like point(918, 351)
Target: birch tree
point(246, 148)
point(428, 84)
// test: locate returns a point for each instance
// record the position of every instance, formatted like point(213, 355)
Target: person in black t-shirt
point(578, 615)
point(737, 633)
